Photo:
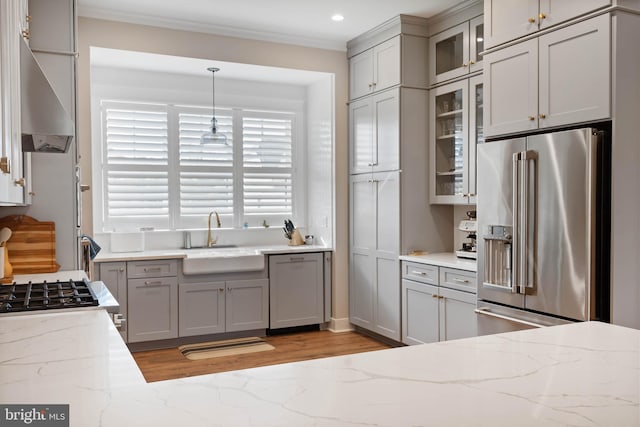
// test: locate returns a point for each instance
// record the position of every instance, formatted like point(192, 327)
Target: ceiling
point(301, 22)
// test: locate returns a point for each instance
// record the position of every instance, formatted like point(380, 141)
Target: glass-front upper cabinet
point(454, 52)
point(456, 128)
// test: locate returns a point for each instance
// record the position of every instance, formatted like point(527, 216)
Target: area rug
point(207, 350)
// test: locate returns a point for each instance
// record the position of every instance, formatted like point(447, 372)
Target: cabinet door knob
point(531, 20)
point(25, 34)
point(370, 85)
point(465, 65)
point(19, 182)
point(543, 116)
point(220, 289)
point(471, 62)
point(121, 270)
point(28, 18)
point(542, 16)
point(532, 118)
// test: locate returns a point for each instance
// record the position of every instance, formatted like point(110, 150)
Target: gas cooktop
point(46, 296)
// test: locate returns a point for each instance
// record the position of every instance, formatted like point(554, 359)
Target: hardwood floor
point(158, 365)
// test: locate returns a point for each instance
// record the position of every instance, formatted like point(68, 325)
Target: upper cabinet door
point(361, 74)
point(553, 12)
point(386, 64)
point(476, 43)
point(361, 136)
point(511, 89)
point(449, 54)
point(509, 19)
point(575, 77)
point(375, 69)
point(386, 125)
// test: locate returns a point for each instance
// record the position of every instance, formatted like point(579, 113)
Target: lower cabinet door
point(419, 313)
point(457, 314)
point(247, 304)
point(201, 308)
point(153, 309)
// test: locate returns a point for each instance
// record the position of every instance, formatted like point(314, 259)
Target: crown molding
point(222, 30)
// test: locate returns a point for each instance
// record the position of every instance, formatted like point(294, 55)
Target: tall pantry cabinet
point(388, 148)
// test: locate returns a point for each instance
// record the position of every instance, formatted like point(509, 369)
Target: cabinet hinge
point(4, 165)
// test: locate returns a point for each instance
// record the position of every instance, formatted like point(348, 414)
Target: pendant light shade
point(213, 136)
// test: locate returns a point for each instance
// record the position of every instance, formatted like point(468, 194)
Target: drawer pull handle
point(419, 273)
point(296, 258)
point(152, 282)
point(466, 282)
point(152, 270)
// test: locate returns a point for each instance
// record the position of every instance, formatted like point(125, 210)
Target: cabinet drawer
point(158, 268)
point(420, 272)
point(458, 279)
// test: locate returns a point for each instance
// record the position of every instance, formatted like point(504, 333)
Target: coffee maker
point(468, 226)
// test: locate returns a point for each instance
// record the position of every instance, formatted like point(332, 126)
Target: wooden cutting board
point(32, 246)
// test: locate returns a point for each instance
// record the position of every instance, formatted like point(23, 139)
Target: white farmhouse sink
point(222, 260)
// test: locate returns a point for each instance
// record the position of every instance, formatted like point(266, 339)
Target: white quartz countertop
point(442, 259)
point(583, 374)
point(104, 256)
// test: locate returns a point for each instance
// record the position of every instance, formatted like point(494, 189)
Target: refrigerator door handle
point(486, 311)
point(515, 245)
point(527, 217)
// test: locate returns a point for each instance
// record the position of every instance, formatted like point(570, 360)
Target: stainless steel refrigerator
point(543, 230)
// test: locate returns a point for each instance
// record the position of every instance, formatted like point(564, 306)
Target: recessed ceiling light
point(337, 17)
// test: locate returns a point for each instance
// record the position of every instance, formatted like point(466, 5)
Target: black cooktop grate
point(46, 296)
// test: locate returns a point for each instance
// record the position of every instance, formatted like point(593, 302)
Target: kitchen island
point(583, 374)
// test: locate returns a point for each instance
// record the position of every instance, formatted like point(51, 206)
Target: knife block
point(296, 238)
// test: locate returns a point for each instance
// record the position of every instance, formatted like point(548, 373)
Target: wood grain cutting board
point(32, 246)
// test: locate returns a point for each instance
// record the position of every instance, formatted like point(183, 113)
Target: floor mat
point(207, 350)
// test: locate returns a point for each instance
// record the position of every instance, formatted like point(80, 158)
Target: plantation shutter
point(267, 164)
point(135, 164)
point(206, 170)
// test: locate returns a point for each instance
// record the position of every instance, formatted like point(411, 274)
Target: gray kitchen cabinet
point(456, 312)
point(153, 309)
point(375, 133)
point(222, 306)
point(374, 286)
point(114, 276)
point(296, 294)
point(454, 52)
point(560, 78)
point(375, 69)
point(508, 20)
point(389, 168)
point(456, 119)
point(438, 303)
point(247, 304)
point(420, 321)
point(152, 297)
point(201, 308)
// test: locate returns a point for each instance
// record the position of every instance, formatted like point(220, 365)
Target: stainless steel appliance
point(543, 230)
point(469, 226)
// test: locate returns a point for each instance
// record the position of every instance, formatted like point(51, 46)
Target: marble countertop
point(104, 256)
point(583, 374)
point(442, 259)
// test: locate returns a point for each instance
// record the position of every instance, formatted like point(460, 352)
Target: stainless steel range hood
point(46, 125)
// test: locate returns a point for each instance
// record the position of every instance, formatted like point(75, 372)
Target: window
point(156, 173)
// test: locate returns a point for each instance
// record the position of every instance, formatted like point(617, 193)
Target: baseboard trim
point(340, 325)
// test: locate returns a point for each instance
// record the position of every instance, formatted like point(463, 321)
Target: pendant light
point(212, 136)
